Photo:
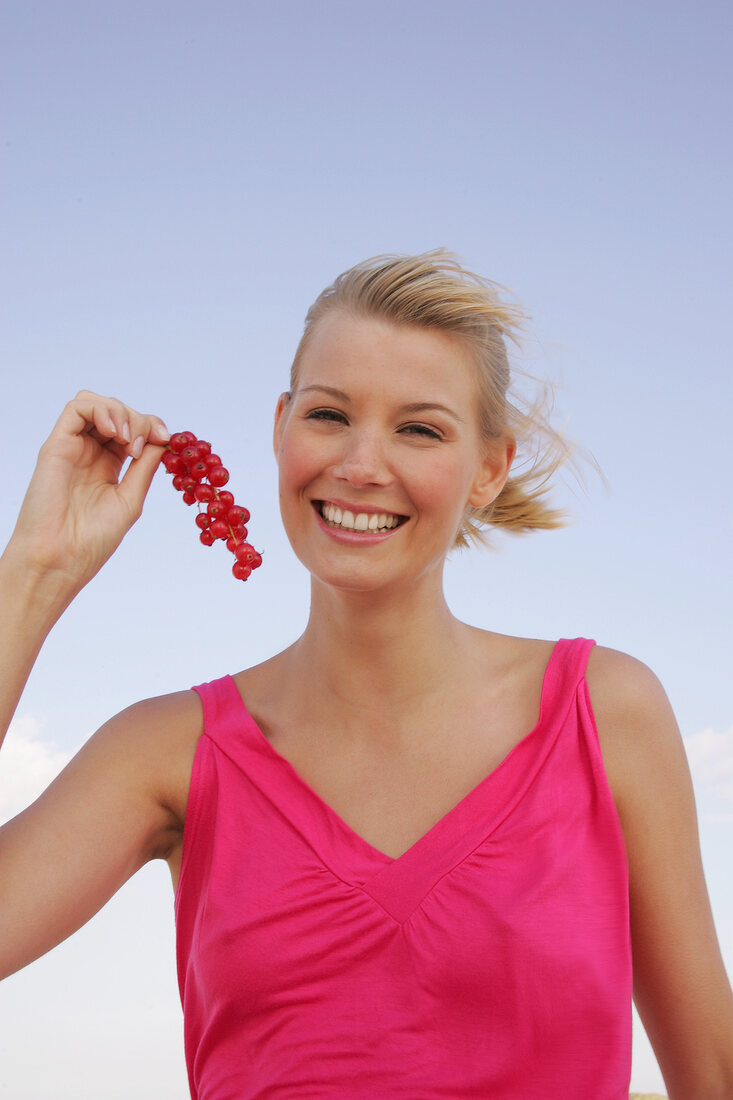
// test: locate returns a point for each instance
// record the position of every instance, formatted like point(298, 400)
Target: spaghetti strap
point(566, 669)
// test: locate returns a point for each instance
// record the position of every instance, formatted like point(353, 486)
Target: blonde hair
point(433, 290)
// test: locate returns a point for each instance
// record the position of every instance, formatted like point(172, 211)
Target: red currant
point(218, 476)
point(237, 515)
point(197, 469)
point(201, 475)
point(173, 463)
point(219, 529)
point(179, 440)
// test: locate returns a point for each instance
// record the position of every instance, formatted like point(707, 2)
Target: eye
point(327, 414)
point(421, 430)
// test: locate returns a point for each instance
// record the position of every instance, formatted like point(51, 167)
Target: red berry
point(179, 440)
point(198, 470)
point(218, 476)
point(219, 529)
point(237, 515)
point(173, 463)
point(201, 475)
point(216, 509)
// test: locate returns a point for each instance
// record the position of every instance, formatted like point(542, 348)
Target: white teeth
point(359, 521)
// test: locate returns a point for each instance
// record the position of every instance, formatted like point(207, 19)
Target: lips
point(347, 520)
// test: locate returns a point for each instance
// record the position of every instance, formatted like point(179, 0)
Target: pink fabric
point(490, 960)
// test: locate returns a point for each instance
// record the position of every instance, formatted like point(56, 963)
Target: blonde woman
point(417, 856)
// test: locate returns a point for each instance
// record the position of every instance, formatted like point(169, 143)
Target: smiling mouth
point(345, 520)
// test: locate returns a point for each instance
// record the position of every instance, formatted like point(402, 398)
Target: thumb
point(138, 478)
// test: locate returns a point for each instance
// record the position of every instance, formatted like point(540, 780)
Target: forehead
point(344, 348)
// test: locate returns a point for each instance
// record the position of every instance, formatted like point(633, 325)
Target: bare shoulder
point(640, 740)
point(623, 684)
point(157, 739)
point(270, 688)
point(510, 655)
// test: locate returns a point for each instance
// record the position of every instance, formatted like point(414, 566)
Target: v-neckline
point(443, 822)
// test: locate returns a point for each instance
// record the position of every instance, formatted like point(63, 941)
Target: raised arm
point(120, 801)
point(75, 514)
point(680, 984)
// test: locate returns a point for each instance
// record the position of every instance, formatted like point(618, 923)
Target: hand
point(77, 508)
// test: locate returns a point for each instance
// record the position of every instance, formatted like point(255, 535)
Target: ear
point(283, 402)
point(493, 472)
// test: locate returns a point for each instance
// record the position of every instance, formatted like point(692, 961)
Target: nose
point(363, 461)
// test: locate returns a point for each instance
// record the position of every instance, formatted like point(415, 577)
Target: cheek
point(445, 490)
point(300, 466)
point(294, 463)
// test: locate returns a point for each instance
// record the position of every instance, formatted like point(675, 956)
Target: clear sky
point(179, 181)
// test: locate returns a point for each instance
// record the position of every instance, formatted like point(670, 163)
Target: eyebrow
point(411, 407)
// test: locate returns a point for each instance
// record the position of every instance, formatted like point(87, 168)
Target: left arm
point(680, 985)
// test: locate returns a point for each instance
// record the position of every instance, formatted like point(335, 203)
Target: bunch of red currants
point(200, 476)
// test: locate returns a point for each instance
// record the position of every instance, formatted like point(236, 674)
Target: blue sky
point(180, 181)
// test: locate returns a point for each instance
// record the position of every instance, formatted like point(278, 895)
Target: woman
point(417, 855)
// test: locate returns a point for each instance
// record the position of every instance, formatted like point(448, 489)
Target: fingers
point(112, 423)
point(138, 477)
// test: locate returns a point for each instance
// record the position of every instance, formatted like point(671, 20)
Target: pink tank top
point(490, 960)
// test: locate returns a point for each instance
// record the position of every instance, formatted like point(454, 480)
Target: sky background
point(180, 180)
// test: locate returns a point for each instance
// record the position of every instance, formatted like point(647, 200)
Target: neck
point(372, 650)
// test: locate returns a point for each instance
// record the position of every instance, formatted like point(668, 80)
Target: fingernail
point(137, 448)
point(162, 431)
point(126, 432)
